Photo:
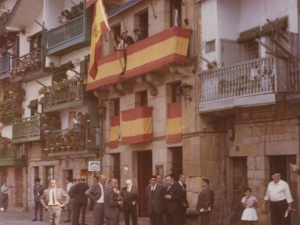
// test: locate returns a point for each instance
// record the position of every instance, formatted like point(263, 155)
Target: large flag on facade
point(88, 3)
point(174, 123)
point(100, 26)
point(137, 125)
point(114, 132)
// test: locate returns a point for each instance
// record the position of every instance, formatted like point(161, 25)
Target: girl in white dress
point(249, 202)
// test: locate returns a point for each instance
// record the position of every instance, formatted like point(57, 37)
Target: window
point(116, 106)
point(176, 96)
point(251, 50)
point(116, 173)
point(35, 41)
point(177, 161)
point(35, 172)
point(141, 99)
point(176, 12)
point(49, 174)
point(210, 46)
point(144, 24)
point(117, 32)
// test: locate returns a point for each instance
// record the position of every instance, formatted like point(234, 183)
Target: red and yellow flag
point(100, 26)
point(88, 3)
point(137, 125)
point(114, 132)
point(174, 123)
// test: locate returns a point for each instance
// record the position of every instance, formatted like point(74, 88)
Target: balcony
point(251, 83)
point(294, 79)
point(72, 96)
point(11, 156)
point(26, 130)
point(5, 66)
point(29, 67)
point(152, 54)
point(79, 141)
point(70, 36)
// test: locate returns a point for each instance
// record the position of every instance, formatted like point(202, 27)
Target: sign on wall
point(94, 166)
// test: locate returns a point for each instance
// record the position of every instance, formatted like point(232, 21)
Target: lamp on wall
point(185, 91)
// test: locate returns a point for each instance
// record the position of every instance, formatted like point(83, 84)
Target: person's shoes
point(2, 209)
point(34, 220)
point(67, 221)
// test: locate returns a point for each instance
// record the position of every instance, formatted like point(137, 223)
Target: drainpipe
point(298, 6)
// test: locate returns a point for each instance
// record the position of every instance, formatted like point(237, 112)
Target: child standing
point(249, 202)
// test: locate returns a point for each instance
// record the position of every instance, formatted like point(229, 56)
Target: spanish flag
point(100, 26)
point(114, 132)
point(88, 3)
point(137, 125)
point(174, 122)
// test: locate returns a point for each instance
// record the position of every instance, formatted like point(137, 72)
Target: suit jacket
point(94, 193)
point(174, 204)
point(78, 193)
point(184, 196)
point(61, 196)
point(128, 198)
point(204, 199)
point(129, 40)
point(111, 205)
point(37, 192)
point(155, 200)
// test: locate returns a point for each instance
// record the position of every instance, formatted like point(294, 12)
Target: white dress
point(249, 213)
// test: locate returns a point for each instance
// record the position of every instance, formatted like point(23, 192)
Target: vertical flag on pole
point(100, 26)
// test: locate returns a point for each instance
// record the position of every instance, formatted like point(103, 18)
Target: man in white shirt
point(279, 195)
point(96, 194)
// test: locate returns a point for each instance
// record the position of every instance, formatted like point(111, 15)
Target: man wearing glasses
point(131, 197)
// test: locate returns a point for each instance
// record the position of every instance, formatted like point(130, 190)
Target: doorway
point(144, 172)
point(144, 24)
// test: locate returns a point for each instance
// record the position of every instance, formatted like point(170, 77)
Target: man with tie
point(69, 206)
point(204, 203)
point(173, 197)
point(155, 201)
point(184, 202)
point(80, 201)
point(131, 197)
point(96, 194)
point(159, 180)
point(38, 190)
point(111, 204)
point(54, 199)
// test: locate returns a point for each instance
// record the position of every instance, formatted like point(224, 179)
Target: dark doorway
point(144, 172)
point(240, 182)
point(144, 24)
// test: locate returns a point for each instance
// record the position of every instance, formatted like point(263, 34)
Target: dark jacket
point(184, 196)
point(94, 193)
point(111, 205)
point(129, 40)
point(128, 198)
point(204, 199)
point(37, 192)
point(155, 200)
point(174, 204)
point(78, 193)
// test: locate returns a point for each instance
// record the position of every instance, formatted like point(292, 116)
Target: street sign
point(94, 166)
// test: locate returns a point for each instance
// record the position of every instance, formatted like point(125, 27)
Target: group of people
point(125, 40)
point(65, 16)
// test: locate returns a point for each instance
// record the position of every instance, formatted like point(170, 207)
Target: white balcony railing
point(247, 78)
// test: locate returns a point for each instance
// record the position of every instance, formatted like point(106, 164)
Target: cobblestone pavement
point(24, 218)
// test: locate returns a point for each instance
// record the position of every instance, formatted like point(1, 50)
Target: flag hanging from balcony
point(137, 125)
point(174, 122)
point(114, 132)
point(88, 3)
point(100, 26)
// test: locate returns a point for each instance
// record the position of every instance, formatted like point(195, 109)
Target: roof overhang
point(123, 8)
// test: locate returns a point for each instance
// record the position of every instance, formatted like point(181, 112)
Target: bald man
point(54, 199)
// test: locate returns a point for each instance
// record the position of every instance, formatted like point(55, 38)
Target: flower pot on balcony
point(89, 142)
point(51, 141)
point(68, 148)
point(74, 148)
point(8, 141)
point(53, 119)
point(88, 122)
point(47, 132)
point(63, 148)
point(46, 150)
point(62, 138)
point(52, 149)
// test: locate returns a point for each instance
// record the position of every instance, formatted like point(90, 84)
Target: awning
point(33, 104)
point(122, 8)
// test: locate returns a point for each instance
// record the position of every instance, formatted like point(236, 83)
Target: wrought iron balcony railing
point(5, 66)
point(12, 156)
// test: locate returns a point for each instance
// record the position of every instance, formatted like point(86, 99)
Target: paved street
point(24, 218)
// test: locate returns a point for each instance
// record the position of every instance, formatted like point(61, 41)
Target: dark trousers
point(277, 211)
point(205, 219)
point(128, 212)
point(98, 213)
point(4, 200)
point(156, 219)
point(183, 216)
point(38, 208)
point(112, 221)
point(76, 214)
point(173, 218)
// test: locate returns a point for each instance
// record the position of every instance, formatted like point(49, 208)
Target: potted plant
point(46, 150)
point(52, 149)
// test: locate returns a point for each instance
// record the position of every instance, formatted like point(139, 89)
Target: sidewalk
point(24, 218)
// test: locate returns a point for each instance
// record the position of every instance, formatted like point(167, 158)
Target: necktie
point(53, 198)
point(128, 190)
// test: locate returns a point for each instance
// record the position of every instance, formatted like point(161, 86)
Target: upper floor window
point(176, 13)
point(35, 41)
point(141, 99)
point(210, 46)
point(176, 97)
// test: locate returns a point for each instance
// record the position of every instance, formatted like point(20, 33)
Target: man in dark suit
point(127, 40)
point(184, 202)
point(77, 193)
point(155, 201)
point(96, 194)
point(130, 199)
point(38, 190)
point(172, 200)
point(204, 203)
point(111, 204)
